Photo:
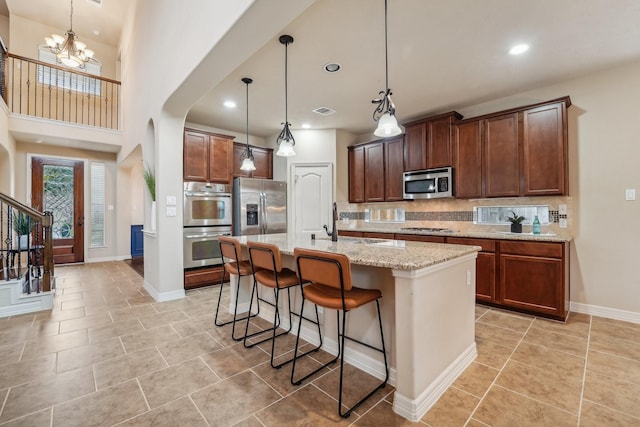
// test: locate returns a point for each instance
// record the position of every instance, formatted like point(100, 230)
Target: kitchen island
point(428, 311)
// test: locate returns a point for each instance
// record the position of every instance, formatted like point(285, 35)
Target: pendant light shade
point(385, 112)
point(285, 140)
point(68, 49)
point(247, 155)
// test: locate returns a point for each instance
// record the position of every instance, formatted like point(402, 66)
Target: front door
point(57, 186)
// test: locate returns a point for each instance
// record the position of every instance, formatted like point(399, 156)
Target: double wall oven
point(207, 216)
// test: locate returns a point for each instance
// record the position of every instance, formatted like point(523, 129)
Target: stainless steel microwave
point(428, 184)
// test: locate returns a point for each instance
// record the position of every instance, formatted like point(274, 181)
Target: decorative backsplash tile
point(554, 216)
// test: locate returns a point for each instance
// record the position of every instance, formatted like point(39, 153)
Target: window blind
point(97, 204)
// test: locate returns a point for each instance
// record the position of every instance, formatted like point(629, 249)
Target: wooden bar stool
point(266, 262)
point(331, 288)
point(230, 249)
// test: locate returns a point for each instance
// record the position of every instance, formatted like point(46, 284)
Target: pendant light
point(247, 155)
point(385, 112)
point(68, 49)
point(285, 140)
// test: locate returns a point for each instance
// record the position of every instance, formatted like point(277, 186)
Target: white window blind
point(68, 80)
point(97, 204)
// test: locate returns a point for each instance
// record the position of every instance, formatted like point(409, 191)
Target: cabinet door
point(394, 167)
point(415, 147)
point(238, 150)
point(196, 156)
point(532, 283)
point(439, 143)
point(419, 238)
point(545, 150)
point(356, 175)
point(467, 165)
point(263, 160)
point(220, 159)
point(374, 172)
point(502, 156)
point(374, 235)
point(486, 277)
point(349, 233)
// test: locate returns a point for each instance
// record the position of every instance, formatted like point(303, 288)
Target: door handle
point(80, 221)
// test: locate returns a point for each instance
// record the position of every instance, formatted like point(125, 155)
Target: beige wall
point(4, 29)
point(7, 154)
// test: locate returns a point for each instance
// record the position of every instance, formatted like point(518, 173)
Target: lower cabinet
point(371, 235)
point(349, 233)
point(420, 238)
point(485, 267)
point(205, 276)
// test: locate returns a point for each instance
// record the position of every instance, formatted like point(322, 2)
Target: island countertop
point(394, 254)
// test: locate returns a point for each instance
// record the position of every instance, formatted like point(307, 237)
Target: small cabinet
point(485, 266)
point(207, 156)
point(262, 160)
point(501, 156)
point(467, 164)
point(375, 171)
point(205, 276)
point(415, 147)
point(393, 169)
point(356, 174)
point(534, 277)
point(428, 142)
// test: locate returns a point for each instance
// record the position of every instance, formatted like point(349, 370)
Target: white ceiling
point(443, 55)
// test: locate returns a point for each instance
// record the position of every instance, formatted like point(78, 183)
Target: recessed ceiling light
point(306, 126)
point(332, 67)
point(518, 49)
point(229, 104)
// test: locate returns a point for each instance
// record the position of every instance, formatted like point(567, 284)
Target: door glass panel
point(208, 209)
point(58, 198)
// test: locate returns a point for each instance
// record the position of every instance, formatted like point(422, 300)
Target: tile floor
point(109, 355)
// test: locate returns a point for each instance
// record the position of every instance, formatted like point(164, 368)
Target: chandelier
point(285, 140)
point(247, 155)
point(385, 112)
point(68, 50)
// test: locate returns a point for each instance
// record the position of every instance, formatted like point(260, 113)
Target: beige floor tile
point(127, 367)
point(49, 391)
point(58, 316)
point(38, 419)
point(181, 412)
point(22, 372)
point(280, 379)
point(492, 354)
point(183, 349)
point(513, 321)
point(173, 382)
point(55, 343)
point(183, 303)
point(133, 312)
point(577, 324)
point(194, 326)
point(252, 421)
point(621, 323)
point(161, 319)
point(198, 310)
point(43, 328)
point(86, 322)
point(475, 423)
point(232, 360)
point(555, 363)
point(102, 408)
point(481, 310)
point(10, 353)
point(498, 335)
point(561, 342)
point(614, 367)
point(594, 415)
point(146, 299)
point(541, 385)
point(619, 330)
point(504, 408)
point(148, 338)
point(452, 409)
point(356, 385)
point(476, 379)
point(615, 346)
point(115, 329)
point(619, 395)
point(88, 354)
point(382, 415)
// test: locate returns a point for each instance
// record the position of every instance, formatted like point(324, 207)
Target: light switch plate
point(171, 211)
point(562, 209)
point(563, 223)
point(630, 194)
point(171, 201)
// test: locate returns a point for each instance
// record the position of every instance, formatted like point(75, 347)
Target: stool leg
point(235, 310)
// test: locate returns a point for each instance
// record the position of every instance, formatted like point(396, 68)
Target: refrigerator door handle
point(265, 226)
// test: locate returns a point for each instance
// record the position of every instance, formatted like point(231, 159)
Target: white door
point(312, 197)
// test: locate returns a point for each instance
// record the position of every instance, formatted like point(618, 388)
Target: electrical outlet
point(562, 209)
point(563, 223)
point(630, 194)
point(171, 211)
point(468, 278)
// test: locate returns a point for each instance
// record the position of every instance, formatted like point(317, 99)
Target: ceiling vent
point(324, 111)
point(96, 2)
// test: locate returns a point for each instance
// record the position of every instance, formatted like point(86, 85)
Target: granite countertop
point(395, 254)
point(502, 235)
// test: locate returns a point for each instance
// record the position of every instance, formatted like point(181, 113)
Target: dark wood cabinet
point(415, 147)
point(393, 169)
point(374, 172)
point(356, 174)
point(208, 157)
point(262, 159)
point(420, 238)
point(350, 233)
point(534, 277)
point(467, 163)
point(501, 156)
point(205, 276)
point(428, 142)
point(375, 235)
point(485, 266)
point(545, 150)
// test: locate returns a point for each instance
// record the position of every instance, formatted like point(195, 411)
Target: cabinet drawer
point(418, 238)
point(487, 244)
point(551, 250)
point(203, 277)
point(347, 233)
point(372, 235)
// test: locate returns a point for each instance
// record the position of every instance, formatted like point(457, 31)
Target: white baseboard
point(103, 259)
point(610, 313)
point(163, 296)
point(414, 409)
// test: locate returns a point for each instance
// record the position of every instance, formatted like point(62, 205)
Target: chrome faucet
point(334, 232)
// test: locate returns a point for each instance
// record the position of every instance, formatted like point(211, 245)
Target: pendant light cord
point(386, 49)
point(248, 152)
point(71, 16)
point(286, 79)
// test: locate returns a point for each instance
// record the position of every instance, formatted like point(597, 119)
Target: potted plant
point(150, 180)
point(22, 226)
point(516, 222)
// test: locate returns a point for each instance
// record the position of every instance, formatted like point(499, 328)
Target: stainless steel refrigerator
point(259, 206)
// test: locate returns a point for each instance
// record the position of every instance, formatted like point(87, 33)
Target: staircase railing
point(26, 245)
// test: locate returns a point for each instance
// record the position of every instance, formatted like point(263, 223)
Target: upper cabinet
point(375, 171)
point(356, 174)
point(207, 156)
point(519, 152)
point(428, 142)
point(262, 159)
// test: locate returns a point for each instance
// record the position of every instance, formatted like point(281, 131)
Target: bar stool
point(331, 288)
point(230, 249)
point(266, 262)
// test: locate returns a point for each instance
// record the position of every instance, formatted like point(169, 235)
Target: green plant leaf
point(150, 180)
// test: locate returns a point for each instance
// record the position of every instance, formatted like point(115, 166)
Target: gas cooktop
point(432, 229)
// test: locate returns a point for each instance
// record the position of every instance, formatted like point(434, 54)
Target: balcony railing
point(38, 89)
